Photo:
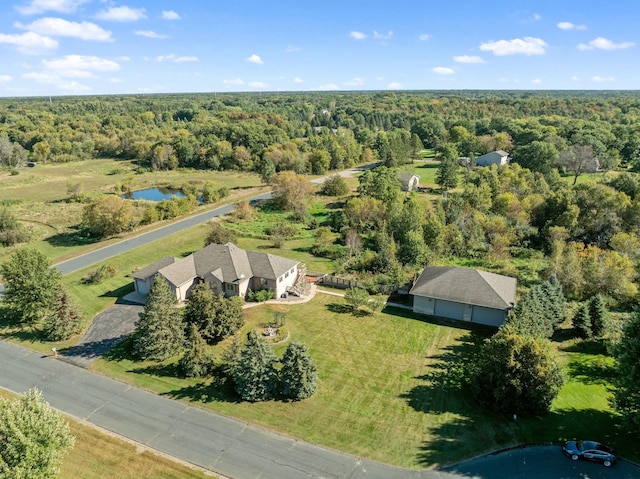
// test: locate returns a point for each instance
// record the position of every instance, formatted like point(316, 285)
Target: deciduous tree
point(107, 216)
point(31, 284)
point(33, 438)
point(516, 375)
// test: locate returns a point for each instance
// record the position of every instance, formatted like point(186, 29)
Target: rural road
point(239, 450)
point(107, 252)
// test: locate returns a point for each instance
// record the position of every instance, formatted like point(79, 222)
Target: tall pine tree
point(256, 377)
point(197, 360)
point(298, 376)
point(215, 316)
point(64, 321)
point(626, 396)
point(159, 332)
point(598, 315)
point(582, 322)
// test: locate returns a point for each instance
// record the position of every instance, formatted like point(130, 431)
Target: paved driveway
point(107, 329)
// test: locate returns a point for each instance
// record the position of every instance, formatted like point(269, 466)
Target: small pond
point(153, 194)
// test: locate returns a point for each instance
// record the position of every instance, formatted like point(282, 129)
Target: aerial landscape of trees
point(563, 218)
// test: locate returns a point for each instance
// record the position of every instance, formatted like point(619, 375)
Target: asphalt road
point(238, 450)
point(223, 445)
point(107, 252)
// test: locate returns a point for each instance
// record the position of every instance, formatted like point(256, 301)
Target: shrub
point(259, 295)
point(105, 271)
point(220, 235)
point(335, 186)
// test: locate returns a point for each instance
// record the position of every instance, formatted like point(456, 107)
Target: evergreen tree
point(231, 358)
point(64, 321)
point(33, 438)
point(215, 316)
point(597, 315)
point(516, 374)
point(356, 297)
point(582, 322)
point(159, 332)
point(197, 360)
point(626, 396)
point(256, 377)
point(447, 174)
point(530, 316)
point(556, 300)
point(298, 376)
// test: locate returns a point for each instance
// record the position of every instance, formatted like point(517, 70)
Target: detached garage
point(464, 294)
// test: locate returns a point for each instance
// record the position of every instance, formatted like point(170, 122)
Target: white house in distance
point(498, 157)
point(226, 269)
point(464, 294)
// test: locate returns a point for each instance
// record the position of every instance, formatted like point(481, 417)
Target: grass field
point(98, 454)
point(388, 389)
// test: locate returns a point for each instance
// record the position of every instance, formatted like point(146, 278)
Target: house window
point(286, 275)
point(264, 281)
point(280, 279)
point(292, 269)
point(230, 287)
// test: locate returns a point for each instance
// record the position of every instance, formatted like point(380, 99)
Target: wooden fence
point(342, 283)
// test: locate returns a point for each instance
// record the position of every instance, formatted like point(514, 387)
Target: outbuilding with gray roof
point(464, 294)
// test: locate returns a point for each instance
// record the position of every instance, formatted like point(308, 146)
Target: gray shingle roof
point(226, 262)
point(468, 286)
point(153, 268)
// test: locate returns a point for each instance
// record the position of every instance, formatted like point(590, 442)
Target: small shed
point(464, 294)
point(408, 181)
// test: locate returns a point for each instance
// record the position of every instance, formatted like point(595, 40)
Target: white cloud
point(354, 82)
point(599, 79)
point(357, 35)
point(170, 15)
point(394, 85)
point(575, 78)
point(292, 49)
point(570, 26)
point(382, 36)
point(5, 78)
point(64, 28)
point(524, 46)
point(149, 34)
point(74, 86)
point(601, 43)
point(30, 43)
point(468, 59)
point(257, 84)
point(175, 59)
point(255, 59)
point(41, 6)
point(423, 37)
point(115, 80)
point(122, 14)
point(76, 63)
point(298, 80)
point(328, 86)
point(536, 81)
point(536, 17)
point(123, 59)
point(443, 70)
point(233, 81)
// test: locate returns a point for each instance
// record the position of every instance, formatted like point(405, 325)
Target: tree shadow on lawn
point(119, 292)
point(444, 391)
point(592, 371)
point(219, 389)
point(339, 308)
point(76, 237)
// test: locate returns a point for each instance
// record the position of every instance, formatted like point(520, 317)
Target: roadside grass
point(98, 454)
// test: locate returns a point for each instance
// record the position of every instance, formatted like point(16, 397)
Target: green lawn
point(391, 379)
point(98, 454)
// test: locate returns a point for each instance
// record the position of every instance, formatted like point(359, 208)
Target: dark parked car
point(589, 450)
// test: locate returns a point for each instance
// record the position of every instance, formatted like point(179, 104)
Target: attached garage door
point(448, 309)
point(488, 316)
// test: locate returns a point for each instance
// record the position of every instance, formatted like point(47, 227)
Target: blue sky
point(68, 47)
